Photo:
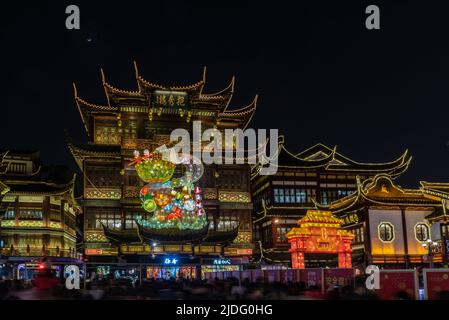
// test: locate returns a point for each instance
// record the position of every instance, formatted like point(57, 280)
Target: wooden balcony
point(102, 193)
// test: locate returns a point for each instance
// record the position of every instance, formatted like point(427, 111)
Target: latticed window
point(279, 196)
point(281, 234)
point(103, 177)
point(228, 220)
point(30, 214)
point(386, 231)
point(301, 196)
point(130, 219)
point(106, 133)
point(108, 217)
point(9, 215)
point(130, 129)
point(422, 232)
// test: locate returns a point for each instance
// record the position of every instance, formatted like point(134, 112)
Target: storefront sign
point(170, 99)
point(436, 281)
point(244, 251)
point(171, 261)
point(395, 282)
point(337, 277)
point(222, 261)
point(94, 252)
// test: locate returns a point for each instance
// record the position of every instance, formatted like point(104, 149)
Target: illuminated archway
point(320, 232)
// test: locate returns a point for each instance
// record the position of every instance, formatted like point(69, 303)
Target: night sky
point(320, 74)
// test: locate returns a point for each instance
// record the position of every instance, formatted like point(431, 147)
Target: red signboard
point(311, 277)
point(94, 251)
point(337, 277)
point(393, 283)
point(244, 251)
point(436, 281)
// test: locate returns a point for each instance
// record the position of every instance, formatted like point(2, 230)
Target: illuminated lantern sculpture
point(173, 202)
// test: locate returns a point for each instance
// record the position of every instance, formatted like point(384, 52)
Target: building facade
point(143, 119)
point(318, 175)
point(38, 212)
point(393, 226)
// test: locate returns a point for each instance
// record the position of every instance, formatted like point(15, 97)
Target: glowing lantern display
point(174, 202)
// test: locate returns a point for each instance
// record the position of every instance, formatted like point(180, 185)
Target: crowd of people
point(184, 289)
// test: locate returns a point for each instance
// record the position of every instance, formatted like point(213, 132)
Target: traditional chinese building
point(38, 211)
point(439, 218)
point(318, 174)
point(144, 119)
point(320, 234)
point(392, 225)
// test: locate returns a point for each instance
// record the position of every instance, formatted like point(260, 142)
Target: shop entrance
point(167, 273)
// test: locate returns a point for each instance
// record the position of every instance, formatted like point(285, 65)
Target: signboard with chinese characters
point(170, 99)
point(436, 282)
point(100, 252)
point(338, 277)
point(221, 261)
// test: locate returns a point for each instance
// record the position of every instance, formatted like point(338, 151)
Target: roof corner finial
point(136, 69)
point(256, 98)
point(232, 83)
point(103, 78)
point(75, 91)
point(204, 73)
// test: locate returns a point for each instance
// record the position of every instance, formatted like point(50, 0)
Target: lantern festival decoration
point(171, 202)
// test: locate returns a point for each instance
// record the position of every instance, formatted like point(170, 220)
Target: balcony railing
point(102, 193)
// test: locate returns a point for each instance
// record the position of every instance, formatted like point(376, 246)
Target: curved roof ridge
point(114, 89)
point(400, 159)
point(229, 89)
point(242, 111)
point(319, 144)
point(198, 85)
point(89, 104)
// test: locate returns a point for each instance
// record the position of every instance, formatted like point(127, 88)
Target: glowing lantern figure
point(170, 199)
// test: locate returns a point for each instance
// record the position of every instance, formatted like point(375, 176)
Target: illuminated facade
point(144, 119)
point(320, 233)
point(317, 175)
point(392, 224)
point(38, 209)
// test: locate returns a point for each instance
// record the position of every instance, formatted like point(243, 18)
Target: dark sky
point(320, 74)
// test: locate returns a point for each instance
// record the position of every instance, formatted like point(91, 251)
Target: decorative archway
point(320, 232)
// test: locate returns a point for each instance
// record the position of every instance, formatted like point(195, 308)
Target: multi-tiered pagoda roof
point(211, 106)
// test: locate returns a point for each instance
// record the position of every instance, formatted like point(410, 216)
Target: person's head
point(402, 295)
